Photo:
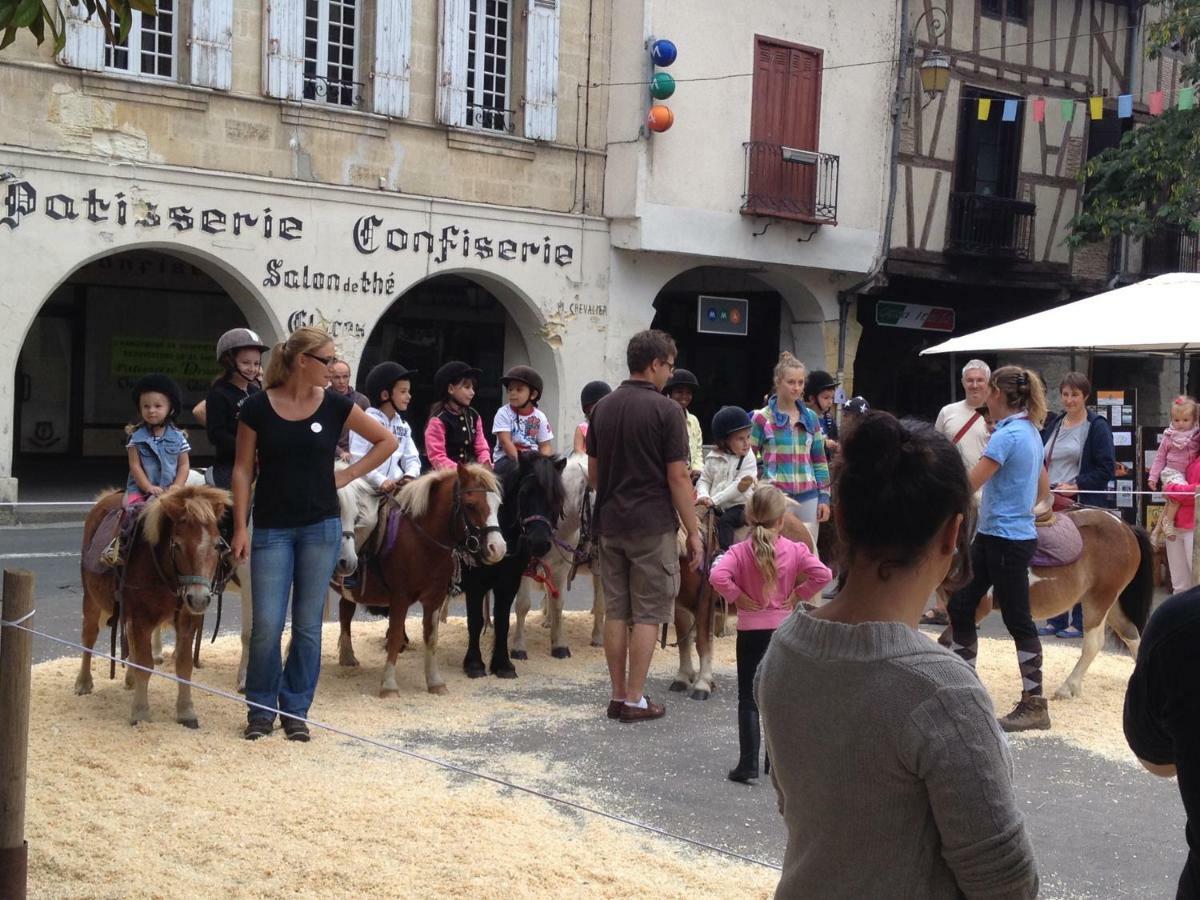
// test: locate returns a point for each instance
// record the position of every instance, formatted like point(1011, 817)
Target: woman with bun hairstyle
point(764, 575)
point(291, 428)
point(885, 751)
point(787, 437)
point(1012, 475)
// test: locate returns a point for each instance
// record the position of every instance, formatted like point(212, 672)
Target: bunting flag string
point(1156, 104)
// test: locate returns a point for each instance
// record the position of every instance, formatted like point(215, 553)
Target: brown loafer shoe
point(614, 708)
point(637, 714)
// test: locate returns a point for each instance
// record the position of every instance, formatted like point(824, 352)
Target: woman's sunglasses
point(323, 360)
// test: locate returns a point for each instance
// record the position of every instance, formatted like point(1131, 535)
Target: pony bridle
point(474, 536)
point(222, 572)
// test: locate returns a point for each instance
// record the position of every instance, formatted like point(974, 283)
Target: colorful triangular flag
point(1010, 111)
point(1067, 108)
point(1187, 98)
point(985, 108)
point(1039, 109)
point(1156, 101)
point(1096, 107)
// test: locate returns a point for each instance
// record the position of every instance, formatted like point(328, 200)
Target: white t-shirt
point(405, 461)
point(526, 431)
point(950, 422)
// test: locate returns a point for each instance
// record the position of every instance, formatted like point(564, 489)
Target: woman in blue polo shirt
point(1010, 472)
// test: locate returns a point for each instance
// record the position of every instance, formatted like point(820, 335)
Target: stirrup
point(111, 555)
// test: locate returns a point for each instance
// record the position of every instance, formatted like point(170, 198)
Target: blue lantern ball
point(663, 52)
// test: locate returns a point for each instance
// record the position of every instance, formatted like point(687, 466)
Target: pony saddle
point(109, 546)
point(1059, 543)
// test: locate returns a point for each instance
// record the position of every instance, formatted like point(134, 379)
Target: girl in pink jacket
point(764, 575)
point(1177, 448)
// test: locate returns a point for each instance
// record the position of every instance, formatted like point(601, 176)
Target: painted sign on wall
point(913, 315)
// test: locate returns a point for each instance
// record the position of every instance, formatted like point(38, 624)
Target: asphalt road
point(1101, 829)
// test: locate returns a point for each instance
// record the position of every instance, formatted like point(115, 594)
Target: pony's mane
point(195, 503)
point(549, 482)
point(414, 497)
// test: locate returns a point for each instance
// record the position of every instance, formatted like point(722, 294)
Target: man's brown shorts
point(640, 574)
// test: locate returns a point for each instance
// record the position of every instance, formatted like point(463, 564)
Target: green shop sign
point(182, 360)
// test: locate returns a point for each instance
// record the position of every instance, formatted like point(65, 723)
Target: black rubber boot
point(748, 743)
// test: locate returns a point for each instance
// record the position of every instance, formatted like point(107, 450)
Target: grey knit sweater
point(893, 776)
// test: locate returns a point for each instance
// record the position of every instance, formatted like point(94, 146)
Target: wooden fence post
point(16, 656)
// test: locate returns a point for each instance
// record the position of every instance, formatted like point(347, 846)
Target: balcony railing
point(991, 227)
point(1171, 250)
point(788, 183)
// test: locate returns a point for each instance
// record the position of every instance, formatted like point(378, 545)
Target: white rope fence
point(393, 748)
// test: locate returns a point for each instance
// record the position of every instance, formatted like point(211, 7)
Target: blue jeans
point(1075, 617)
point(299, 562)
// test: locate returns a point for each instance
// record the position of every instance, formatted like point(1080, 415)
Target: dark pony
point(532, 505)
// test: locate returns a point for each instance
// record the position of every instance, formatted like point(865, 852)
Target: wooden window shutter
point(452, 62)
point(393, 57)
point(541, 70)
point(84, 46)
point(212, 44)
point(284, 71)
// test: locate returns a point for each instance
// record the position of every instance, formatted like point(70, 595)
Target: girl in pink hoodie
point(1177, 448)
point(764, 576)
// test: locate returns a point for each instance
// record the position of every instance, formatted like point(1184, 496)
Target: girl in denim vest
point(158, 450)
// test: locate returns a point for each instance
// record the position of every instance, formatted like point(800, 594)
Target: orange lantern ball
point(660, 118)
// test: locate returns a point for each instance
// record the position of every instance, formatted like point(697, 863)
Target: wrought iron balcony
point(333, 91)
point(787, 183)
point(1171, 250)
point(990, 227)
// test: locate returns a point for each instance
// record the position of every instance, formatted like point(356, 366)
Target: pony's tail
point(1135, 600)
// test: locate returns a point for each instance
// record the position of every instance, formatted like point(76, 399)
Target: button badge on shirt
point(316, 427)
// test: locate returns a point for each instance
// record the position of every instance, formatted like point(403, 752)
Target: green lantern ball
point(662, 86)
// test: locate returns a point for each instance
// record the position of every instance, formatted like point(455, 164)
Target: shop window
point(331, 36)
point(489, 40)
point(149, 47)
point(1013, 10)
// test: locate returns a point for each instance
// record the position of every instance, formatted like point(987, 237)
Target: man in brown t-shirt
point(638, 463)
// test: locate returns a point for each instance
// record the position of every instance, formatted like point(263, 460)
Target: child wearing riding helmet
point(681, 387)
point(763, 575)
point(157, 449)
point(593, 392)
point(729, 473)
point(389, 391)
point(454, 432)
point(520, 426)
point(239, 352)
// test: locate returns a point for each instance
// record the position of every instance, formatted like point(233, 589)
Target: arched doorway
point(111, 321)
point(731, 369)
point(459, 317)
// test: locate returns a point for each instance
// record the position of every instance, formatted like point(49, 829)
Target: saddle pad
point(101, 538)
point(1058, 544)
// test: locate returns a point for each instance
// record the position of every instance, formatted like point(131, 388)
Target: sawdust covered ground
point(158, 810)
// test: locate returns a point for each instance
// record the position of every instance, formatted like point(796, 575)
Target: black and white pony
point(531, 507)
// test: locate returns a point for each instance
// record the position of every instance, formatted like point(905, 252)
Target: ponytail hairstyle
point(305, 339)
point(917, 477)
point(764, 513)
point(1022, 389)
point(787, 362)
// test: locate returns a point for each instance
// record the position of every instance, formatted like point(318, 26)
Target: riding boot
point(749, 739)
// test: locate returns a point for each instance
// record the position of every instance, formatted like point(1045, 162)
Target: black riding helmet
point(681, 378)
point(817, 381)
point(728, 420)
point(383, 377)
point(159, 383)
point(452, 373)
point(593, 392)
point(525, 375)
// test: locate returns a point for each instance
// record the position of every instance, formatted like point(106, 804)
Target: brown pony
point(695, 601)
point(171, 576)
point(1113, 579)
point(440, 514)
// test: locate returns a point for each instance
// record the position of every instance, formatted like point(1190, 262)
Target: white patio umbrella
point(1159, 315)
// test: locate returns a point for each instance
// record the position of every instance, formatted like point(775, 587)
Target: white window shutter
point(452, 62)
point(541, 70)
point(285, 49)
point(393, 57)
point(84, 47)
point(212, 44)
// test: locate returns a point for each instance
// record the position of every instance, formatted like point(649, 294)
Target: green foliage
point(1152, 179)
point(43, 18)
